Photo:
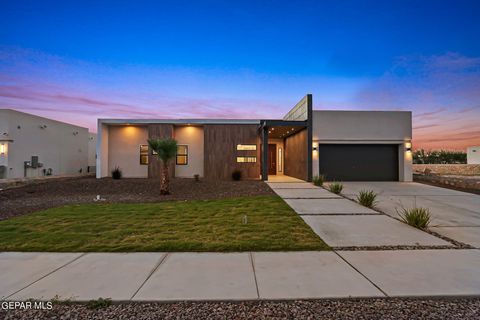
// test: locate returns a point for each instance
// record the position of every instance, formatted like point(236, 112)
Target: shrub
point(116, 173)
point(99, 303)
point(318, 180)
point(439, 156)
point(196, 177)
point(367, 198)
point(237, 175)
point(416, 217)
point(336, 187)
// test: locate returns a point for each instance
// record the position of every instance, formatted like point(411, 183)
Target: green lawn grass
point(214, 225)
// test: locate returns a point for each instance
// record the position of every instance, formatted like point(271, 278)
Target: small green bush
point(367, 198)
point(237, 175)
point(336, 187)
point(416, 217)
point(116, 173)
point(99, 303)
point(318, 180)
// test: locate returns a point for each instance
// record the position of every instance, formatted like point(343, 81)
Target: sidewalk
point(239, 276)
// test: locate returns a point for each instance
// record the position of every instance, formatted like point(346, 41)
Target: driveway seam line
point(51, 272)
point(160, 261)
point(354, 268)
point(254, 274)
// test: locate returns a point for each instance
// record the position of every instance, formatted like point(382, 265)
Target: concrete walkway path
point(238, 276)
point(344, 223)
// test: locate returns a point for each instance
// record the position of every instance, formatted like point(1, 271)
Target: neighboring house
point(33, 146)
point(343, 145)
point(473, 155)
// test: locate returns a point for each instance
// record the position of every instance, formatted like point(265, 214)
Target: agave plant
point(336, 187)
point(318, 180)
point(367, 198)
point(416, 217)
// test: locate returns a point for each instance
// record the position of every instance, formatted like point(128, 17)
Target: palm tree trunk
point(165, 180)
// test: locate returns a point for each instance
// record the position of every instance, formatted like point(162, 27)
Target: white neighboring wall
point(59, 146)
point(473, 155)
point(92, 149)
point(367, 127)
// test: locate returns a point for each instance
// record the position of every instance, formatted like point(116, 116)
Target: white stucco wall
point(388, 127)
point(60, 146)
point(124, 150)
point(473, 155)
point(193, 137)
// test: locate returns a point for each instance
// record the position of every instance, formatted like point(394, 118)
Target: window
point(280, 158)
point(246, 159)
point(143, 154)
point(182, 155)
point(242, 147)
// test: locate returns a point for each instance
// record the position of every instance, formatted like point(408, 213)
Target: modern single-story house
point(33, 146)
point(343, 145)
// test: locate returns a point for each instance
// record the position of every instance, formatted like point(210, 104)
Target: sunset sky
point(79, 61)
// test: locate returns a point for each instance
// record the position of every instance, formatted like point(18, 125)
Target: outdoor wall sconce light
point(3, 149)
point(408, 146)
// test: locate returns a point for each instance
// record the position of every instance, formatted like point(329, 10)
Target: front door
point(272, 159)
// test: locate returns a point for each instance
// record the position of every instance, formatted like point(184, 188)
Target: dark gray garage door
point(359, 162)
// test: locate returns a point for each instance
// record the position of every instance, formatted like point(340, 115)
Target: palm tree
point(165, 149)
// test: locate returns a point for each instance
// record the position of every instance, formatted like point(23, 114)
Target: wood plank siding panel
point(221, 151)
point(154, 164)
point(296, 155)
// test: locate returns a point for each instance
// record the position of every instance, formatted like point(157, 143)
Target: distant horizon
point(76, 63)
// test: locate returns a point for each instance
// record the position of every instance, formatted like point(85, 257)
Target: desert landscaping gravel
point(387, 308)
point(53, 193)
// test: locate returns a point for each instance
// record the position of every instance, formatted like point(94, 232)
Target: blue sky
point(76, 61)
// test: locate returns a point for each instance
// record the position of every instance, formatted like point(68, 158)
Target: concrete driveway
point(455, 214)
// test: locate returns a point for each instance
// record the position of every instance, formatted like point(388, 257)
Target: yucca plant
point(336, 187)
point(237, 175)
point(416, 217)
point(367, 198)
point(116, 173)
point(166, 150)
point(318, 180)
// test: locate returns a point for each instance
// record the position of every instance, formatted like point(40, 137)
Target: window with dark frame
point(247, 159)
point(246, 147)
point(144, 154)
point(182, 155)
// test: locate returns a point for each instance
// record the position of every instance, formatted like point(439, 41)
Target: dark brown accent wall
point(154, 164)
point(296, 155)
point(221, 151)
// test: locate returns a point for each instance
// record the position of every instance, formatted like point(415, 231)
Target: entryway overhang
point(283, 129)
